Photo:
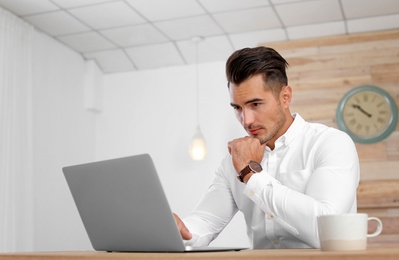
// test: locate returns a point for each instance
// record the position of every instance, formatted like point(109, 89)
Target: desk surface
point(371, 253)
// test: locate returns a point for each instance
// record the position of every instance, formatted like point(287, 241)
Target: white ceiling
point(126, 35)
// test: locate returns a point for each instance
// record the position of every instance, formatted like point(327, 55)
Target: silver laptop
point(124, 208)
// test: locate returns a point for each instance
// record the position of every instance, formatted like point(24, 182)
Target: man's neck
point(282, 131)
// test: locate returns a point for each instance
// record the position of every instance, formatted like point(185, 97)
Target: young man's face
point(263, 115)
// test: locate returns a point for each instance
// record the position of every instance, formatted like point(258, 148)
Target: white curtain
point(16, 202)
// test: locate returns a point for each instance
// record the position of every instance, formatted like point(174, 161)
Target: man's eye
point(255, 104)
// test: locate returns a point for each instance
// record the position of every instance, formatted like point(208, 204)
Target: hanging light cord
point(198, 147)
point(197, 79)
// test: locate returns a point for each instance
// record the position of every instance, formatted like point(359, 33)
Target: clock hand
point(361, 109)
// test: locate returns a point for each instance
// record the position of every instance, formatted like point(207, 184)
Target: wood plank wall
point(321, 71)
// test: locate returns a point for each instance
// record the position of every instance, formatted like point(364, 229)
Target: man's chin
point(261, 139)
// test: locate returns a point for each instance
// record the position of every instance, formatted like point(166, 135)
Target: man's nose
point(247, 117)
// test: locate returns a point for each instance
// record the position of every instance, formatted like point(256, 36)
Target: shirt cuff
point(201, 236)
point(255, 186)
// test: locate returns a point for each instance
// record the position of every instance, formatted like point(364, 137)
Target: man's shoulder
point(310, 131)
point(322, 128)
point(323, 132)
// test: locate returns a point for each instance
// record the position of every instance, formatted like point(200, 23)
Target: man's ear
point(285, 96)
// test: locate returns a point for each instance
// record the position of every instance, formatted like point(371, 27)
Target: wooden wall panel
point(321, 71)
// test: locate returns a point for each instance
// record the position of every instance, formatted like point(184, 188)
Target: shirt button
point(251, 194)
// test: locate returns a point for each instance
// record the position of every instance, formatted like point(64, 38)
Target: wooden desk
point(374, 253)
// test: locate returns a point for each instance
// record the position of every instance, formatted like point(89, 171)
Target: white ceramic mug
point(345, 232)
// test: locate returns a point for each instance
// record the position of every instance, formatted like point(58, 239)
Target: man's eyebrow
point(254, 100)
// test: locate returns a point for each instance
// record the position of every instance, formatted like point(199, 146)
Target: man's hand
point(184, 232)
point(246, 149)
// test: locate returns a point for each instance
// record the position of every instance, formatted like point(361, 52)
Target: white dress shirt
point(313, 170)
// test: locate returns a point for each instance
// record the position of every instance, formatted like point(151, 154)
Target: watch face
point(256, 167)
point(367, 113)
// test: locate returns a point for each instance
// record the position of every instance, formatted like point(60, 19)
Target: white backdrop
point(43, 126)
point(16, 174)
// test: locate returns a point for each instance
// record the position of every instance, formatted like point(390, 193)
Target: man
point(284, 174)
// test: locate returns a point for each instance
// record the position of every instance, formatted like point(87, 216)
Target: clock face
point(367, 113)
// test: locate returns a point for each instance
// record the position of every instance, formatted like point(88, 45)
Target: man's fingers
point(184, 232)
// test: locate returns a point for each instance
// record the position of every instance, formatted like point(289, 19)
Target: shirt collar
point(295, 128)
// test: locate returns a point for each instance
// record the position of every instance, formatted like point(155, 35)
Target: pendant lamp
point(198, 148)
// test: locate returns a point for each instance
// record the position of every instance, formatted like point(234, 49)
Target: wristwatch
point(251, 167)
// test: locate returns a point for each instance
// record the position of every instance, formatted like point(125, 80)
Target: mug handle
point(379, 227)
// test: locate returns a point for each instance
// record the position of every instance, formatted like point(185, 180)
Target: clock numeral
point(381, 120)
point(365, 98)
point(352, 122)
point(358, 100)
point(367, 129)
point(380, 104)
point(382, 112)
point(359, 127)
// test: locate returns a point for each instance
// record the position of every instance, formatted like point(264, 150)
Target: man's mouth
point(254, 131)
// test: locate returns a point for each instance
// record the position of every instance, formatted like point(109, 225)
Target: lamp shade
point(198, 147)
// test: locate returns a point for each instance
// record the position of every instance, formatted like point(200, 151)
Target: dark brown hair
point(248, 62)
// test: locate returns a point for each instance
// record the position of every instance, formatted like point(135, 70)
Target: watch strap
point(244, 172)
point(251, 167)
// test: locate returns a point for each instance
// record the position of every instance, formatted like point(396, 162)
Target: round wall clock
point(367, 113)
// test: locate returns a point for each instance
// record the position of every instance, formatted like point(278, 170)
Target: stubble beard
point(270, 134)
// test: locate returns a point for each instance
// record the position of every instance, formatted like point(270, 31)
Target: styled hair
point(248, 62)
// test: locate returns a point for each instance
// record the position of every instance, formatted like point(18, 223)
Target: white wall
point(154, 112)
point(63, 134)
